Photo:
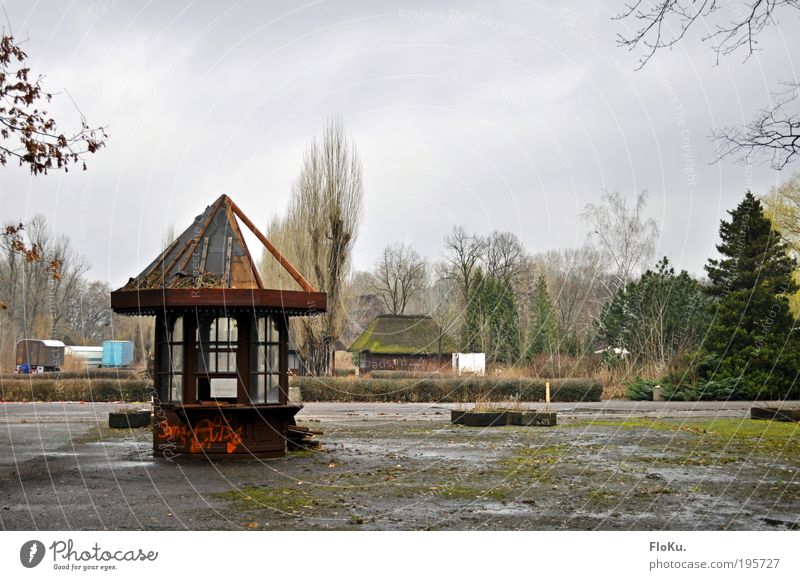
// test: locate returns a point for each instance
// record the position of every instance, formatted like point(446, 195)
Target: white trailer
point(471, 363)
point(91, 355)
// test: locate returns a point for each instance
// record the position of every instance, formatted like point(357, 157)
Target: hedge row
point(96, 373)
point(100, 390)
point(405, 375)
point(325, 389)
point(446, 390)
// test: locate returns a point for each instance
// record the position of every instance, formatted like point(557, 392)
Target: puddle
point(501, 509)
point(459, 452)
point(127, 464)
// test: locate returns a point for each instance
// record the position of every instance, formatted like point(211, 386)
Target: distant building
point(87, 356)
point(39, 356)
point(469, 363)
point(395, 342)
point(614, 351)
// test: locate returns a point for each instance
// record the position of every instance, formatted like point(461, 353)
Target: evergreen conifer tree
point(751, 338)
point(542, 329)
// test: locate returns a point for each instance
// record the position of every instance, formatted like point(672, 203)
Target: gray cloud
point(505, 117)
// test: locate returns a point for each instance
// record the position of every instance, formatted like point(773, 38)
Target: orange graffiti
point(206, 433)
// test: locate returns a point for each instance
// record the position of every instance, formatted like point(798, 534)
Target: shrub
point(720, 390)
point(100, 390)
point(96, 373)
point(716, 390)
point(382, 375)
point(445, 390)
point(639, 389)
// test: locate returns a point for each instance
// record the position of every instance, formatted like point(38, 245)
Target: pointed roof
point(209, 266)
point(211, 253)
point(404, 334)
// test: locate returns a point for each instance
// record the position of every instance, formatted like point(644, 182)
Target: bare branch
point(663, 23)
point(774, 131)
point(27, 133)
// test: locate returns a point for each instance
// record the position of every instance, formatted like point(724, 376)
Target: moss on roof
point(400, 334)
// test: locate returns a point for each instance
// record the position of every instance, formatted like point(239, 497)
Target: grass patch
point(300, 453)
point(754, 428)
point(724, 429)
point(601, 496)
point(692, 459)
point(452, 491)
point(654, 490)
point(471, 493)
point(627, 424)
point(536, 462)
point(718, 441)
point(288, 500)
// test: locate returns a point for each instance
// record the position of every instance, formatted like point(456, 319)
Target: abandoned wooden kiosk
point(221, 376)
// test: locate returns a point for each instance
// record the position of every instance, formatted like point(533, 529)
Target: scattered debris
point(301, 438)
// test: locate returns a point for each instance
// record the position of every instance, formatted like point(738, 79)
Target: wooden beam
point(235, 226)
point(160, 298)
point(287, 265)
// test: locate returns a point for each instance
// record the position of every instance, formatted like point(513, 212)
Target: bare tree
point(399, 276)
point(463, 253)
point(318, 235)
point(362, 305)
point(38, 284)
point(622, 234)
point(775, 130)
point(69, 283)
point(504, 256)
point(88, 315)
point(286, 236)
point(579, 288)
point(440, 301)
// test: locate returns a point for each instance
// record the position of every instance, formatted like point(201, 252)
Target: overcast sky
point(509, 117)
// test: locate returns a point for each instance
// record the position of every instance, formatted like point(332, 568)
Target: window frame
point(170, 378)
point(272, 349)
point(213, 348)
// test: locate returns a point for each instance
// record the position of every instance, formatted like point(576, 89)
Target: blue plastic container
point(117, 353)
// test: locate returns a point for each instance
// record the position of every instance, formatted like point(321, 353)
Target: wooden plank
point(204, 254)
point(228, 249)
point(235, 226)
point(202, 233)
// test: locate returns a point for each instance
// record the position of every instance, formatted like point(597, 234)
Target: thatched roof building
point(401, 342)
